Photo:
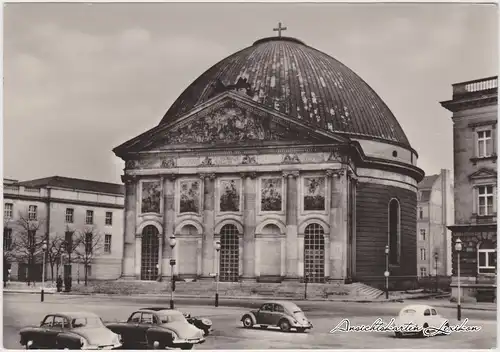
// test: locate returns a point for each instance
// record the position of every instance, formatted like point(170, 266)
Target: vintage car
point(284, 314)
point(201, 323)
point(73, 331)
point(158, 328)
point(424, 319)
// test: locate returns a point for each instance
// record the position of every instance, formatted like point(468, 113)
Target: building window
point(7, 239)
point(69, 215)
point(107, 244)
point(8, 210)
point(420, 213)
point(89, 218)
point(422, 234)
point(394, 232)
point(484, 144)
point(32, 212)
point(422, 254)
point(487, 258)
point(485, 200)
point(109, 218)
point(423, 271)
point(88, 242)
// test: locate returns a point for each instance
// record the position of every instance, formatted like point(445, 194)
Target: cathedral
point(287, 160)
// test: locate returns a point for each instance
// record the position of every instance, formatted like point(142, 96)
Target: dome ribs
point(302, 82)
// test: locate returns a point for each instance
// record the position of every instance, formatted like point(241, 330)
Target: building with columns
point(286, 157)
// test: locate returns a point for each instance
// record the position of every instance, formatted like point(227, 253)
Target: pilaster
point(249, 222)
point(138, 257)
point(168, 222)
point(292, 249)
point(207, 244)
point(338, 223)
point(129, 254)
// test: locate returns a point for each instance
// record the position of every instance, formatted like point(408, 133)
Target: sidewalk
point(433, 302)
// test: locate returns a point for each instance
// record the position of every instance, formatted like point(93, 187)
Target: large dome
point(286, 75)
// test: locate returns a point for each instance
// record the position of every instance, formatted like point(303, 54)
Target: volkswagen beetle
point(158, 328)
point(74, 331)
point(422, 320)
point(284, 314)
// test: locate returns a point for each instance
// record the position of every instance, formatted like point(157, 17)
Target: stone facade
point(54, 198)
point(435, 211)
point(279, 196)
point(475, 116)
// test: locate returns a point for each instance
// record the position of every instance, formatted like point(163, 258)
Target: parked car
point(422, 317)
point(75, 330)
point(284, 314)
point(158, 328)
point(201, 323)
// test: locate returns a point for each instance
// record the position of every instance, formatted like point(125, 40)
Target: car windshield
point(408, 312)
point(168, 318)
point(88, 322)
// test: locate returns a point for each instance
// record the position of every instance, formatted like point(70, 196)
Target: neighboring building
point(475, 116)
point(286, 157)
point(63, 209)
point(435, 212)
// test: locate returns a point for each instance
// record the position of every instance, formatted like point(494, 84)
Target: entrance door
point(149, 253)
point(229, 253)
point(314, 253)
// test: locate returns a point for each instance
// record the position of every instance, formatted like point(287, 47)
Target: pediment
point(227, 120)
point(483, 173)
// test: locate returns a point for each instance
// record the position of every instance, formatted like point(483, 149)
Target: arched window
point(486, 257)
point(394, 232)
point(229, 253)
point(150, 245)
point(314, 253)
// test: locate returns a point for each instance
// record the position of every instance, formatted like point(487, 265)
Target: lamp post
point(436, 256)
point(44, 248)
point(458, 249)
point(217, 248)
point(386, 273)
point(172, 241)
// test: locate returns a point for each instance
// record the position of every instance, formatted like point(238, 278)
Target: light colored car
point(284, 314)
point(423, 316)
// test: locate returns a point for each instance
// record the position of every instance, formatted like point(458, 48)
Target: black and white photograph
point(250, 175)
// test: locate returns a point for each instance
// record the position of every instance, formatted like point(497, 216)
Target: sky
point(81, 79)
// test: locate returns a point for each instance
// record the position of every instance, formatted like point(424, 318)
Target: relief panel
point(271, 194)
point(230, 195)
point(314, 191)
point(189, 196)
point(150, 196)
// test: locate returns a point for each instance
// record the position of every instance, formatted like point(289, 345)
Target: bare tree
point(9, 243)
point(55, 249)
point(28, 241)
point(89, 245)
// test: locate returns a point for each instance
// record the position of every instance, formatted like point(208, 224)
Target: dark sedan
point(74, 331)
point(158, 329)
point(284, 314)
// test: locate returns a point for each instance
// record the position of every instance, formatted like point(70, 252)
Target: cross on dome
point(279, 29)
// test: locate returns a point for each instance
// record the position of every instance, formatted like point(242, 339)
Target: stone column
point(207, 247)
point(292, 250)
point(338, 223)
point(168, 221)
point(249, 219)
point(138, 256)
point(129, 226)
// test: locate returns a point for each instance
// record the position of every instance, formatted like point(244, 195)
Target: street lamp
point(458, 249)
point(436, 255)
point(44, 248)
point(172, 241)
point(217, 248)
point(386, 273)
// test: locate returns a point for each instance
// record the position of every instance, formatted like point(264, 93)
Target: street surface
point(26, 309)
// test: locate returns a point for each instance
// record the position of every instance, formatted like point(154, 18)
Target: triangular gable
point(229, 119)
point(483, 173)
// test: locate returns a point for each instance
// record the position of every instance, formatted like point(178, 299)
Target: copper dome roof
point(284, 74)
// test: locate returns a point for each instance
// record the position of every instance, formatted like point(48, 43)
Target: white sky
point(81, 79)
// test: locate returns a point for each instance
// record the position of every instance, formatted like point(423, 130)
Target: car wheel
point(398, 334)
point(30, 345)
point(206, 332)
point(301, 330)
point(187, 346)
point(247, 322)
point(425, 326)
point(284, 325)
